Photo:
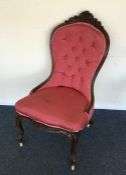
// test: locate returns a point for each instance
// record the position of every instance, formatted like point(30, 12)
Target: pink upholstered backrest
point(77, 50)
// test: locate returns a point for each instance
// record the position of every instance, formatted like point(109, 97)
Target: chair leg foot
point(90, 124)
point(73, 140)
point(21, 130)
point(21, 144)
point(73, 167)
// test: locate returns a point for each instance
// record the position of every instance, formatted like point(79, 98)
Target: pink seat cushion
point(60, 107)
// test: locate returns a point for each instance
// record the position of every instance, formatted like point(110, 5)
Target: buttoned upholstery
point(77, 50)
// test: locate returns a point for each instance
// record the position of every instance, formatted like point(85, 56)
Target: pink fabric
point(77, 50)
point(60, 107)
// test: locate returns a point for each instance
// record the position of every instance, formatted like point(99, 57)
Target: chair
point(64, 103)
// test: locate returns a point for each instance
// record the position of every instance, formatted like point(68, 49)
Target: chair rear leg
point(90, 124)
point(73, 141)
point(20, 128)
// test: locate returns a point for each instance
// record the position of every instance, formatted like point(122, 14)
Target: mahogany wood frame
point(85, 17)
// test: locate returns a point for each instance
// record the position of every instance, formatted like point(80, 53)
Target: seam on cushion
point(53, 126)
point(42, 88)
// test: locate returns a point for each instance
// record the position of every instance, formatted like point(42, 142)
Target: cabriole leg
point(73, 141)
point(20, 128)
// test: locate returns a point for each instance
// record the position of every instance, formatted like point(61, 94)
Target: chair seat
point(59, 107)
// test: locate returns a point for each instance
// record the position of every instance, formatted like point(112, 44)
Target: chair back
point(79, 48)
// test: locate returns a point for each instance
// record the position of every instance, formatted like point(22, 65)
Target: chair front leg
point(73, 141)
point(20, 128)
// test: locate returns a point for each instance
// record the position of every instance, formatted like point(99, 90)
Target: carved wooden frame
point(85, 17)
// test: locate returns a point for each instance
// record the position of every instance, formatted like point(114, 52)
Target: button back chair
point(64, 102)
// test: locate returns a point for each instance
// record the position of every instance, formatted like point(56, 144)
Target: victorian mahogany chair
point(64, 102)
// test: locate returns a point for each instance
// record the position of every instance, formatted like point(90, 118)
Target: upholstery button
point(80, 38)
point(83, 50)
point(63, 73)
point(88, 62)
point(65, 57)
point(80, 69)
point(76, 58)
point(64, 39)
point(82, 79)
point(69, 66)
point(93, 44)
point(72, 76)
point(73, 48)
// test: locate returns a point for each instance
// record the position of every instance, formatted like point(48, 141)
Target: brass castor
point(90, 124)
point(72, 167)
point(21, 144)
